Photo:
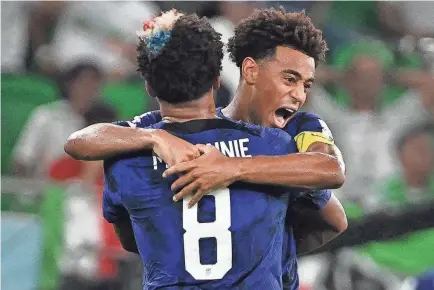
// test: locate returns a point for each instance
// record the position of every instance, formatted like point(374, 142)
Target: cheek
point(303, 99)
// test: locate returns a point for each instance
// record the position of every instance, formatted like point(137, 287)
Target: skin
point(284, 78)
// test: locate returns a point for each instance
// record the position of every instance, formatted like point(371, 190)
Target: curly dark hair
point(260, 34)
point(188, 65)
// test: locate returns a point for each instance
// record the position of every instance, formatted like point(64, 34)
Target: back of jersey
point(231, 240)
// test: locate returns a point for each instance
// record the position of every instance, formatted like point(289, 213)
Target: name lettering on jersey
point(232, 148)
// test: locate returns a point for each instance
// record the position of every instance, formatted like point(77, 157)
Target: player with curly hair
point(202, 247)
point(277, 53)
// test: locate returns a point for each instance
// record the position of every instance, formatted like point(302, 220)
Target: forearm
point(304, 170)
point(308, 241)
point(104, 140)
point(315, 228)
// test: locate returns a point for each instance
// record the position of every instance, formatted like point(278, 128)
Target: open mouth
point(282, 115)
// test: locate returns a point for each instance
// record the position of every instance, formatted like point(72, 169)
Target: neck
point(238, 108)
point(415, 180)
point(203, 108)
point(361, 105)
point(75, 107)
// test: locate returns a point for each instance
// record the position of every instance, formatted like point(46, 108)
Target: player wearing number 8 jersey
point(233, 239)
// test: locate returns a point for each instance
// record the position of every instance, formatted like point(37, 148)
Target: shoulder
point(309, 128)
point(276, 140)
point(307, 121)
point(142, 121)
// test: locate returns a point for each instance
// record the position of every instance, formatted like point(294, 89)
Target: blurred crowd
point(66, 65)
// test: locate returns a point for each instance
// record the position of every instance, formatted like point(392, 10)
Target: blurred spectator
point(347, 22)
point(43, 19)
point(26, 26)
point(414, 183)
point(106, 33)
point(408, 18)
point(14, 23)
point(365, 113)
point(40, 145)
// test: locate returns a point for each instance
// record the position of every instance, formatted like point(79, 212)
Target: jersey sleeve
point(142, 121)
point(112, 206)
point(281, 142)
point(310, 129)
point(316, 199)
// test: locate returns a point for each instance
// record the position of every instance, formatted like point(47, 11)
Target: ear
point(249, 70)
point(149, 90)
point(217, 83)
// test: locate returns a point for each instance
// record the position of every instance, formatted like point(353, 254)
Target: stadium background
point(376, 93)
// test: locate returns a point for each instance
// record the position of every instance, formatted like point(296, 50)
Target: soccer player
point(233, 240)
point(277, 53)
point(268, 38)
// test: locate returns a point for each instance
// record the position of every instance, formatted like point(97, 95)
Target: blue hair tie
point(157, 41)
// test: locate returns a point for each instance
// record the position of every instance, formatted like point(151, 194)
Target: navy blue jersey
point(233, 239)
point(307, 129)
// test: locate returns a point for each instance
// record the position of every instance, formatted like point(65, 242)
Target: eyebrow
point(297, 74)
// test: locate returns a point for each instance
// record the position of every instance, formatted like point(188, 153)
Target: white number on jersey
point(219, 229)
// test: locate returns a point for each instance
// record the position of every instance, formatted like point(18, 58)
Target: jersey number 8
point(219, 229)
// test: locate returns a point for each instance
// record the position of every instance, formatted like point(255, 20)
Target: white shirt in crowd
point(367, 140)
point(42, 138)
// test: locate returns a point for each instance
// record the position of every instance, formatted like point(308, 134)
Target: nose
point(297, 93)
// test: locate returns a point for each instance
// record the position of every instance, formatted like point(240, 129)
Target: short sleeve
point(315, 200)
point(310, 129)
point(142, 121)
point(112, 206)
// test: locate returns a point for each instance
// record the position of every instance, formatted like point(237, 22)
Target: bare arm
point(311, 170)
point(101, 141)
point(313, 229)
point(319, 168)
point(104, 140)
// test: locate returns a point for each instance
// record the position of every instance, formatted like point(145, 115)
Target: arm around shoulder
point(104, 140)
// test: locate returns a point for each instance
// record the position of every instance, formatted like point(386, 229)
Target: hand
point(209, 172)
point(173, 150)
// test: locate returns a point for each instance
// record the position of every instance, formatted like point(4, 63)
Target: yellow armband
point(305, 139)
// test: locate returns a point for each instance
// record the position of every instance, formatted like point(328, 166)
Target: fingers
point(204, 148)
point(188, 190)
point(182, 181)
point(178, 168)
point(196, 197)
point(195, 153)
